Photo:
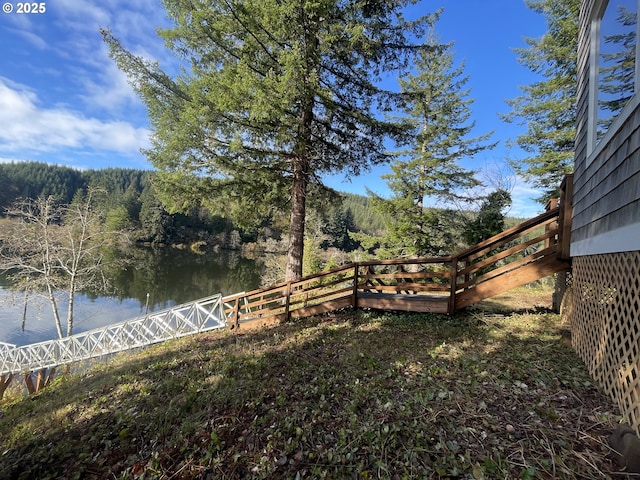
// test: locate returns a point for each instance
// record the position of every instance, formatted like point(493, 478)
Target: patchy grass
point(494, 392)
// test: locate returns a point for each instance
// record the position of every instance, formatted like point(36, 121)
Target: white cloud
point(30, 38)
point(84, 57)
point(81, 16)
point(524, 205)
point(29, 127)
point(110, 91)
point(10, 160)
point(132, 22)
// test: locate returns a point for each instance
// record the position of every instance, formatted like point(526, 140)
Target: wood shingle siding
point(607, 180)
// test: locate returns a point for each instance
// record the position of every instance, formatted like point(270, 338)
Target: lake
point(169, 277)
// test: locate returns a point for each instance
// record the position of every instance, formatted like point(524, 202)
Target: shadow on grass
point(352, 395)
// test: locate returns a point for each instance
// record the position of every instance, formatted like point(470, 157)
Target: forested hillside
point(129, 202)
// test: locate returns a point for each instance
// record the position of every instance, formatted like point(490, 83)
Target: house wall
point(606, 203)
point(605, 239)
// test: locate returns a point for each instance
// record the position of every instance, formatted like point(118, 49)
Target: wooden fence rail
point(515, 257)
point(527, 252)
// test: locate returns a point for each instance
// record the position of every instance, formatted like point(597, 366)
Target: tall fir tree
point(547, 107)
point(274, 94)
point(437, 112)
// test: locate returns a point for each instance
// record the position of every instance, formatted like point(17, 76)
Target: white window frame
point(595, 147)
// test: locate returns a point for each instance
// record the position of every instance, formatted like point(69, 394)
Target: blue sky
point(63, 101)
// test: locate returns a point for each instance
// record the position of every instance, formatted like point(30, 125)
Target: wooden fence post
point(552, 204)
point(43, 379)
point(467, 278)
point(453, 283)
point(565, 217)
point(5, 380)
point(354, 299)
point(287, 301)
point(236, 313)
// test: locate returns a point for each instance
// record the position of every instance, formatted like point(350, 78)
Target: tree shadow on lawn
point(349, 395)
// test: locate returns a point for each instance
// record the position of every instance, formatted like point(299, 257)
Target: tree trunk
point(72, 294)
point(296, 226)
point(301, 171)
point(54, 309)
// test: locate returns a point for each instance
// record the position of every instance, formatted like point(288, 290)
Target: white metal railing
point(178, 321)
point(6, 346)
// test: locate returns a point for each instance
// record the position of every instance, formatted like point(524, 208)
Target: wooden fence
point(522, 254)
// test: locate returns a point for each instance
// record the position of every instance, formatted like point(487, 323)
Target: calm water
point(168, 276)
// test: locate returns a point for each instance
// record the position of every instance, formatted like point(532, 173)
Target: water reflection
point(617, 61)
point(169, 276)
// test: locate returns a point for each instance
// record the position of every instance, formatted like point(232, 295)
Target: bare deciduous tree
point(52, 250)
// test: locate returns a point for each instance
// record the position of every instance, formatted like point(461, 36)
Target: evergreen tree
point(490, 218)
point(547, 107)
point(276, 93)
point(5, 191)
point(339, 222)
point(155, 222)
point(365, 218)
point(33, 179)
point(437, 111)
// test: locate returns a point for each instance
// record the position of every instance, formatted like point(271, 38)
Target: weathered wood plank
point(346, 269)
point(406, 261)
point(511, 238)
point(261, 302)
point(399, 275)
point(323, 281)
point(509, 280)
point(415, 287)
point(324, 307)
point(473, 268)
point(492, 242)
point(327, 294)
point(515, 265)
point(405, 303)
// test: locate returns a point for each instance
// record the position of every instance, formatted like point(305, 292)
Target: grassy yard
point(494, 392)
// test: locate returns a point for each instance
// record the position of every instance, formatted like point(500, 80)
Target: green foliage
point(490, 219)
point(312, 262)
point(274, 94)
point(370, 243)
point(437, 112)
point(430, 232)
point(130, 201)
point(118, 181)
point(118, 219)
point(7, 196)
point(155, 222)
point(547, 107)
point(365, 217)
point(32, 179)
point(338, 222)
